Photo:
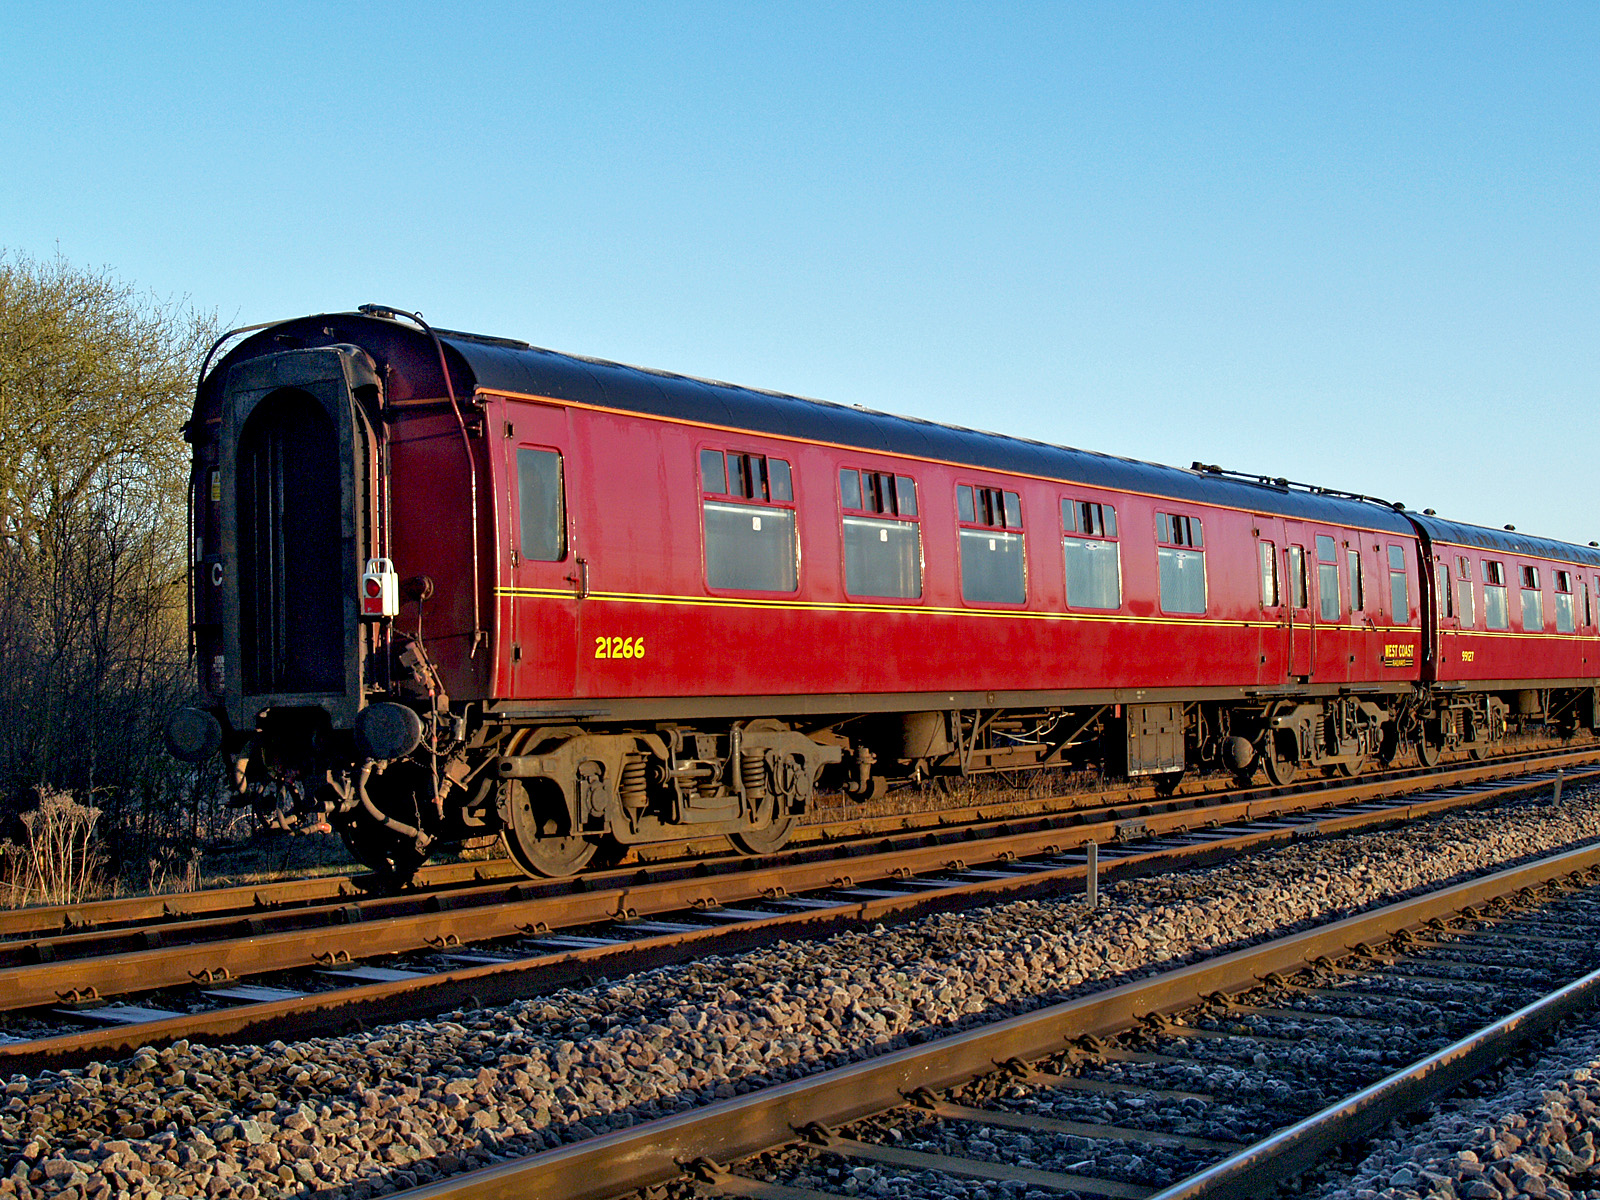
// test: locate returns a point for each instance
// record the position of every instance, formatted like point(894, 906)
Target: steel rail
point(58, 922)
point(657, 1151)
point(481, 887)
point(1253, 1170)
point(45, 920)
point(347, 1007)
point(54, 920)
point(455, 921)
point(352, 1007)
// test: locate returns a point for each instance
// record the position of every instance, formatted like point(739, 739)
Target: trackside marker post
point(1091, 887)
point(1559, 774)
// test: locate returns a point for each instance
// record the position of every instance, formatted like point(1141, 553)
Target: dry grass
point(270, 857)
point(59, 860)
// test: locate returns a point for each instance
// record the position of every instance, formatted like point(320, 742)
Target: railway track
point(832, 826)
point(493, 941)
point(827, 826)
point(1175, 1087)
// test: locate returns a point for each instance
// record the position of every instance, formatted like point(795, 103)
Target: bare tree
point(95, 384)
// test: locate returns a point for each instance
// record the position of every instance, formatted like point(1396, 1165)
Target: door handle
point(581, 579)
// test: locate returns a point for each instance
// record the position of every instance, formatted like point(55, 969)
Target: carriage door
point(1274, 639)
point(1297, 603)
point(539, 558)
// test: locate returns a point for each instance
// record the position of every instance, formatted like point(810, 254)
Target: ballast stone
point(585, 1061)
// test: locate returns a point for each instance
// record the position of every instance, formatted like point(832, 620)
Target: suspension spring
point(753, 771)
point(634, 787)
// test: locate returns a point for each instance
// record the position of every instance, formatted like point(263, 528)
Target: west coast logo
point(1400, 654)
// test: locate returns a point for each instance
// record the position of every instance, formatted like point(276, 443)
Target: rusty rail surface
point(1288, 1152)
point(447, 919)
point(655, 1152)
point(833, 825)
point(327, 1011)
point(59, 922)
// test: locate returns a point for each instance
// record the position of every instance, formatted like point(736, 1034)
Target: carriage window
point(877, 492)
point(905, 495)
point(1399, 605)
point(850, 488)
point(1089, 518)
point(1446, 598)
point(1464, 606)
point(713, 473)
point(782, 482)
point(1268, 553)
point(993, 566)
point(1564, 617)
point(1093, 561)
point(1532, 601)
point(1328, 577)
point(541, 511)
point(1358, 593)
point(1496, 610)
point(882, 540)
point(747, 505)
point(1182, 563)
point(1179, 531)
point(1299, 589)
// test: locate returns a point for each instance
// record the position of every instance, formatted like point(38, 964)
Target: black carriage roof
point(502, 365)
point(508, 365)
point(1505, 541)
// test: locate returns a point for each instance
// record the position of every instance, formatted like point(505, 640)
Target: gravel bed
point(1530, 1132)
point(1144, 1165)
point(408, 1103)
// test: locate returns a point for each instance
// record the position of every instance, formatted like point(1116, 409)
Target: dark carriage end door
point(546, 574)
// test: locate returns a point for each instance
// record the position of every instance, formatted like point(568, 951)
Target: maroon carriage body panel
point(627, 608)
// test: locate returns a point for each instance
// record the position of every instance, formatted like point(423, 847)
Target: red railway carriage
point(448, 586)
point(1515, 635)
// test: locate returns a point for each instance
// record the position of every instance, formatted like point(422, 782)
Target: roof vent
point(1428, 512)
point(1511, 528)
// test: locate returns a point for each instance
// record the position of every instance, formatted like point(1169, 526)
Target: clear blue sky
point(1352, 244)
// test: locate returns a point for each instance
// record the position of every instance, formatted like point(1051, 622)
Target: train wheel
point(774, 837)
point(552, 857)
point(1428, 750)
point(538, 834)
point(1478, 751)
point(1280, 769)
point(1353, 767)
